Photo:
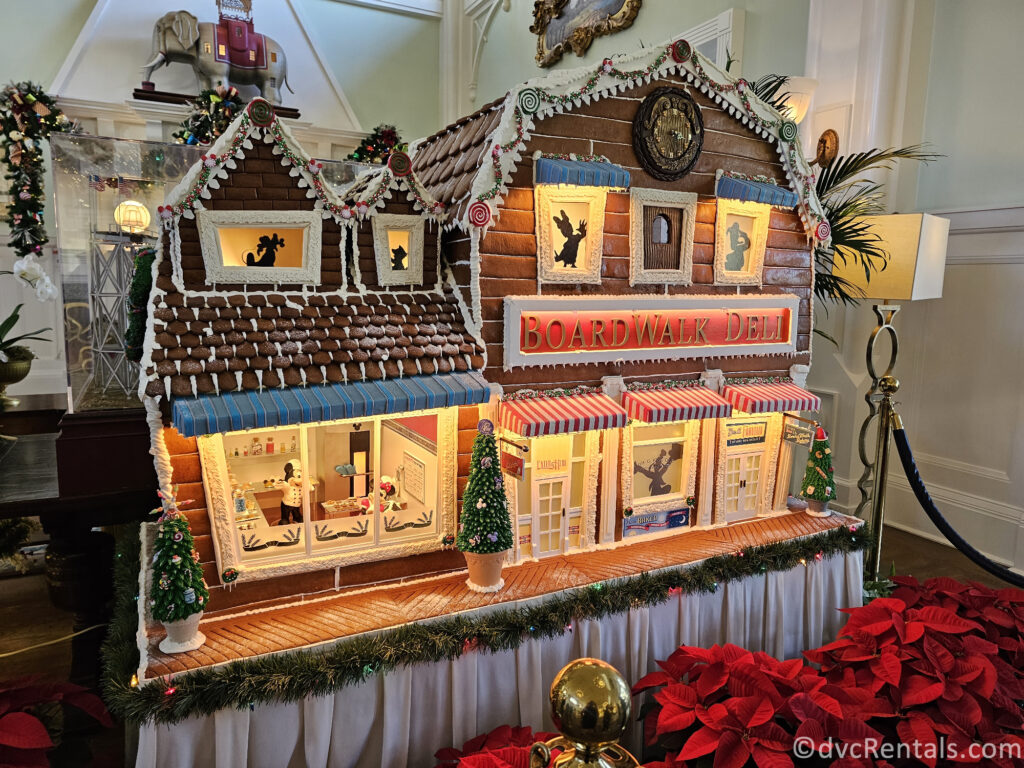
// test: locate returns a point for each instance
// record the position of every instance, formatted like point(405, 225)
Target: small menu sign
point(797, 433)
point(512, 465)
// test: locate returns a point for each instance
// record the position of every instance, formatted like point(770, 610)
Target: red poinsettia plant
point(30, 711)
point(504, 747)
point(924, 677)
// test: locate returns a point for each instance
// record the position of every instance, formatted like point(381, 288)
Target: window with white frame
point(661, 224)
point(398, 249)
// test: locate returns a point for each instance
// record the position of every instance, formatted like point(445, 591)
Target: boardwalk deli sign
point(560, 330)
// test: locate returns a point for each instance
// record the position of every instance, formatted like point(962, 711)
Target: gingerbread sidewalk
point(358, 610)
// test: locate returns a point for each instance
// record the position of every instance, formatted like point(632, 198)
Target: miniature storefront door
point(742, 486)
point(549, 518)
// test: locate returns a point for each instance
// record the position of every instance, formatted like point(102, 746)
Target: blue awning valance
point(756, 191)
point(232, 411)
point(582, 173)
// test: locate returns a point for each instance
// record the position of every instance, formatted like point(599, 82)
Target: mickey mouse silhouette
point(267, 246)
point(569, 252)
point(398, 258)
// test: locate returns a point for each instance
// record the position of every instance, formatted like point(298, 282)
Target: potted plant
point(819, 487)
point(15, 357)
point(178, 594)
point(485, 531)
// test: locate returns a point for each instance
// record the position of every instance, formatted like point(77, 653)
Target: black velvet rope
point(925, 500)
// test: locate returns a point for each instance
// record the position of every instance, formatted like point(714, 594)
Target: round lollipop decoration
point(681, 51)
point(529, 100)
point(260, 112)
point(479, 214)
point(788, 131)
point(400, 164)
point(823, 231)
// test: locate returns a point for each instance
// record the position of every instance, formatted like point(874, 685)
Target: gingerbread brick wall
point(508, 253)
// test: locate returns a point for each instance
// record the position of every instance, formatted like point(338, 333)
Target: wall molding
point(953, 465)
point(985, 235)
point(422, 8)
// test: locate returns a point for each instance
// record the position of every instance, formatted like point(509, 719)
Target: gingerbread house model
point(612, 265)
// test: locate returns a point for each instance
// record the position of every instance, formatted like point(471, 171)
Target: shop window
point(221, 50)
point(658, 461)
point(398, 249)
point(661, 236)
point(252, 55)
point(273, 57)
point(741, 236)
point(261, 246)
point(207, 48)
point(570, 233)
point(659, 470)
point(345, 491)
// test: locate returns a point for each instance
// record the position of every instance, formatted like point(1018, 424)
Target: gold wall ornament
point(560, 24)
point(590, 705)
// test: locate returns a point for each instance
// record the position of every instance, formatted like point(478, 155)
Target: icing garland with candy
point(259, 118)
point(531, 101)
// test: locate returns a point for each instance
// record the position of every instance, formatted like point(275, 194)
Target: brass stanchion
point(887, 417)
point(590, 705)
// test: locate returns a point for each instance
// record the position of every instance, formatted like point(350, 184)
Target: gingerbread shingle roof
point(221, 343)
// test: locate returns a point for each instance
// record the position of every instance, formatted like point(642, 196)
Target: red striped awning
point(767, 398)
point(557, 415)
point(679, 404)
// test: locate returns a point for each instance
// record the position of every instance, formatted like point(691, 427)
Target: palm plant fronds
point(769, 89)
point(847, 195)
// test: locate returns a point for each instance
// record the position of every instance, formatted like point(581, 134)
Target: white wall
point(936, 70)
point(775, 35)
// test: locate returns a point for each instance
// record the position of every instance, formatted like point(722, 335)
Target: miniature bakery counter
point(317, 622)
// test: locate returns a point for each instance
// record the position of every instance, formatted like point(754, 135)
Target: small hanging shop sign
point(746, 433)
point(553, 330)
point(797, 432)
point(512, 465)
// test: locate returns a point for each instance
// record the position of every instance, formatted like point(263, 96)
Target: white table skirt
point(400, 719)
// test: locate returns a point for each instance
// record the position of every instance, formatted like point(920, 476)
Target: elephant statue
point(227, 53)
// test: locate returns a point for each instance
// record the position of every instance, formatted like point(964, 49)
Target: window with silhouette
point(261, 246)
point(662, 227)
point(398, 249)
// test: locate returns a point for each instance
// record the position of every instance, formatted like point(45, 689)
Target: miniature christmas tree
point(819, 484)
point(485, 525)
point(376, 147)
point(178, 588)
point(212, 113)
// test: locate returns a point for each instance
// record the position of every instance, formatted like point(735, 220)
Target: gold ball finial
point(590, 703)
point(889, 385)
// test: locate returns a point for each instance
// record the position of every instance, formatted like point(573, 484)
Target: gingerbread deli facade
point(633, 246)
point(613, 266)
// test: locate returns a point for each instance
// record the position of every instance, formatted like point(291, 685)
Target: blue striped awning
point(582, 173)
point(757, 191)
point(231, 411)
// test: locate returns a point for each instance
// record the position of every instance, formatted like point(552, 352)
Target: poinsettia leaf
point(857, 732)
point(672, 719)
point(942, 660)
point(770, 758)
point(733, 751)
point(964, 713)
point(918, 689)
point(773, 736)
point(23, 758)
point(943, 620)
point(888, 668)
point(507, 757)
point(23, 731)
point(751, 711)
point(702, 742)
point(814, 732)
point(827, 703)
point(912, 631)
point(997, 616)
point(653, 680)
point(920, 739)
point(91, 704)
point(711, 679)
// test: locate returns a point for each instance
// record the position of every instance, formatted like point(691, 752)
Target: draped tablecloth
point(399, 719)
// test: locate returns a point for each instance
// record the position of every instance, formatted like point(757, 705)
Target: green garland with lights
point(297, 675)
point(376, 147)
point(138, 295)
point(27, 118)
point(211, 113)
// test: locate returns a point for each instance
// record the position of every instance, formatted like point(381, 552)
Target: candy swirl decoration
point(823, 231)
point(681, 51)
point(788, 131)
point(400, 164)
point(479, 214)
point(530, 100)
point(260, 112)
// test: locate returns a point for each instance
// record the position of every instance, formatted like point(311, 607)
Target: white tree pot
point(183, 635)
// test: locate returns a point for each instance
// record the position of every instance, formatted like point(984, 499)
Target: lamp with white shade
point(799, 91)
point(916, 246)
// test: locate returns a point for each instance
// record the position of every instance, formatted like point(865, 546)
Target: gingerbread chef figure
point(291, 492)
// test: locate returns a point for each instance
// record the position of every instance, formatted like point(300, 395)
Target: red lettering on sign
point(575, 331)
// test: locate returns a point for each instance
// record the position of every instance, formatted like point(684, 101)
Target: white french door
point(743, 485)
point(549, 519)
